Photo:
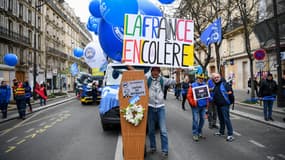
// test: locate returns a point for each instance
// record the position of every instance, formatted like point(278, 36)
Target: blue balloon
point(113, 11)
point(166, 1)
point(148, 8)
point(78, 52)
point(10, 59)
point(93, 24)
point(199, 70)
point(111, 40)
point(94, 8)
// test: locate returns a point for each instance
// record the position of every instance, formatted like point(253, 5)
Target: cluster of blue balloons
point(10, 59)
point(78, 52)
point(107, 21)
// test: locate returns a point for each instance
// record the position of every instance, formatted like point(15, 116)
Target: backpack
point(149, 80)
point(231, 97)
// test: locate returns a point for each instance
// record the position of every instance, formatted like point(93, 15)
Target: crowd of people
point(22, 93)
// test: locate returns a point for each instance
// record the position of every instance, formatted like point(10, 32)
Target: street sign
point(259, 65)
point(259, 54)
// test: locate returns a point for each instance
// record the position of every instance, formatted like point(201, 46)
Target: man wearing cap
point(156, 110)
point(198, 108)
point(267, 92)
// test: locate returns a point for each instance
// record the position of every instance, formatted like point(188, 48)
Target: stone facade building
point(48, 30)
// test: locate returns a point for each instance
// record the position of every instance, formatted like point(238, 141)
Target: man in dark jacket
point(222, 101)
point(267, 92)
point(5, 95)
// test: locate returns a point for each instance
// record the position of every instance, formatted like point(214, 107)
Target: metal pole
point(35, 54)
point(278, 56)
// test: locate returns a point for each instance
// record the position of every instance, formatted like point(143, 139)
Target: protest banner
point(158, 41)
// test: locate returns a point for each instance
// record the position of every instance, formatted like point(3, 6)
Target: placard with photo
point(201, 92)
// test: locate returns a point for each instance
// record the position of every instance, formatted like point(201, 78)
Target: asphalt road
point(73, 132)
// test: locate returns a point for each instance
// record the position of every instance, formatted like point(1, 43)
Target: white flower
point(133, 114)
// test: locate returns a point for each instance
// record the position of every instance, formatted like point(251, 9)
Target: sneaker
point(201, 136)
point(266, 119)
point(270, 118)
point(195, 138)
point(230, 138)
point(164, 154)
point(219, 134)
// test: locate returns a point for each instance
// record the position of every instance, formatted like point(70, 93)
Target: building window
point(21, 30)
point(39, 22)
point(21, 11)
point(39, 41)
point(10, 5)
point(10, 26)
point(230, 46)
point(22, 56)
point(30, 36)
point(30, 16)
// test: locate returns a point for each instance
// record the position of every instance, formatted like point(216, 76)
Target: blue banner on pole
point(212, 33)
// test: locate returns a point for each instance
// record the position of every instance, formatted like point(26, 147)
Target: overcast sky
point(81, 8)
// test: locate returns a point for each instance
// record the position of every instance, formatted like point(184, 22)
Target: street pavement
point(13, 113)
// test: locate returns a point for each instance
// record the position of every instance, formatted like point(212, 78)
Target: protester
point(94, 91)
point(255, 83)
point(212, 108)
point(221, 98)
point(268, 90)
point(5, 95)
point(28, 95)
point(43, 94)
point(20, 99)
point(283, 85)
point(177, 90)
point(156, 110)
point(198, 108)
point(184, 90)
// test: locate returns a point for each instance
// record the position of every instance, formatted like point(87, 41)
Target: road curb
point(277, 124)
point(15, 116)
point(261, 107)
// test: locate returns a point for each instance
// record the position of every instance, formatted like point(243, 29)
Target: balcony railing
point(57, 53)
point(13, 36)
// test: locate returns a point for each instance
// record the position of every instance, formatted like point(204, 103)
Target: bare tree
point(204, 12)
point(247, 14)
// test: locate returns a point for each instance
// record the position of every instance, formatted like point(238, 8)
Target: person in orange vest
point(20, 99)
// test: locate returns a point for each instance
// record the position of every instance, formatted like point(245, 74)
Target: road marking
point(270, 157)
point(10, 148)
point(257, 143)
point(237, 134)
point(281, 156)
point(20, 142)
point(119, 149)
point(42, 124)
point(30, 130)
point(11, 139)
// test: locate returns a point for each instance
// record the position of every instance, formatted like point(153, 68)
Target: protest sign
point(158, 41)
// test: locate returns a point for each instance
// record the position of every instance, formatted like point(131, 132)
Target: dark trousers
point(42, 101)
point(184, 96)
point(21, 106)
point(4, 107)
point(28, 102)
point(212, 114)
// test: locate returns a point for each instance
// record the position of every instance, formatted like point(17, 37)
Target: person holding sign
point(197, 96)
point(221, 98)
point(156, 109)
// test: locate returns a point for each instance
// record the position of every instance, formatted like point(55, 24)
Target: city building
point(42, 34)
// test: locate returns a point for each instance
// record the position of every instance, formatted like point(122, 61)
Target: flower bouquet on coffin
point(133, 113)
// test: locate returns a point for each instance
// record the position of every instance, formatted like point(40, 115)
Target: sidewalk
point(241, 95)
point(13, 109)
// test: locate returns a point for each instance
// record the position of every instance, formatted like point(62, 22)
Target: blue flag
point(74, 69)
point(212, 33)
